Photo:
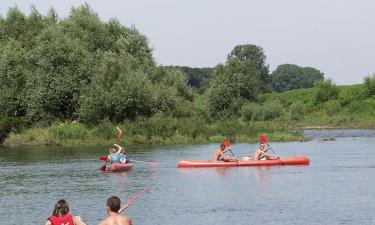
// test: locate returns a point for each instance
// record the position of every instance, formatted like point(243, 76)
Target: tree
point(60, 67)
point(198, 78)
point(240, 79)
point(288, 76)
point(13, 75)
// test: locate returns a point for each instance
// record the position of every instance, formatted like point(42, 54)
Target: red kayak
point(120, 167)
point(294, 160)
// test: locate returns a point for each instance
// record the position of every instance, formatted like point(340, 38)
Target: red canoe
point(294, 160)
point(120, 167)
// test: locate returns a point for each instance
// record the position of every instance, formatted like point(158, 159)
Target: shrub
point(272, 110)
point(332, 107)
point(370, 85)
point(326, 91)
point(8, 124)
point(247, 111)
point(297, 111)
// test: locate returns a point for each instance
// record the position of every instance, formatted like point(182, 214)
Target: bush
point(332, 107)
point(247, 111)
point(272, 110)
point(267, 111)
point(370, 85)
point(8, 124)
point(297, 111)
point(327, 91)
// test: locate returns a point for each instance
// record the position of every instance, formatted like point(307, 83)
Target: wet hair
point(114, 203)
point(222, 146)
point(61, 208)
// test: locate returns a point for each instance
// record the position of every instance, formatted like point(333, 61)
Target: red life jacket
point(65, 220)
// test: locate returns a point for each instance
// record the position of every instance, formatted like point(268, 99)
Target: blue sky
point(334, 36)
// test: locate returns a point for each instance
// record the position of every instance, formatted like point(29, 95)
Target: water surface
point(336, 188)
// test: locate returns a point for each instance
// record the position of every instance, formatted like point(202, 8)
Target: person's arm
point(118, 148)
point(266, 154)
point(78, 221)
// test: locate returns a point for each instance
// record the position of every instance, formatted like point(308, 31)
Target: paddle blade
point(104, 167)
point(103, 157)
point(118, 134)
point(263, 139)
point(226, 143)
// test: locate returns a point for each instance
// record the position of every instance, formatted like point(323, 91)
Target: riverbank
point(168, 131)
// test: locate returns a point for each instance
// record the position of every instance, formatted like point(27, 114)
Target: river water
point(338, 187)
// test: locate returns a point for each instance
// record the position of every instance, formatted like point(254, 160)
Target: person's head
point(222, 147)
point(123, 151)
point(114, 204)
point(61, 208)
point(262, 145)
point(112, 150)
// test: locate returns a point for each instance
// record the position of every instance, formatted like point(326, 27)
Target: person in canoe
point(261, 152)
point(114, 156)
point(61, 215)
point(114, 218)
point(123, 156)
point(219, 154)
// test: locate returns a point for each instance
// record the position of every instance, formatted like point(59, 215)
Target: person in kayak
point(261, 152)
point(114, 156)
point(219, 154)
point(113, 206)
point(123, 156)
point(61, 215)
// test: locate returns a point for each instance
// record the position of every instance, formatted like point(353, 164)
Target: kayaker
point(61, 215)
point(261, 152)
point(219, 154)
point(114, 156)
point(113, 206)
point(123, 156)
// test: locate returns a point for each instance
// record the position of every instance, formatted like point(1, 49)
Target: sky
point(335, 36)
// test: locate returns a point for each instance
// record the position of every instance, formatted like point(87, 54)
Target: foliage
point(287, 77)
point(198, 78)
point(268, 111)
point(297, 110)
point(327, 91)
point(241, 79)
point(370, 85)
point(13, 75)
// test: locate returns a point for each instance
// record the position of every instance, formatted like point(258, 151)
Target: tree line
point(80, 67)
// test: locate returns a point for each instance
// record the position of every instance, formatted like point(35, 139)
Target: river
point(336, 188)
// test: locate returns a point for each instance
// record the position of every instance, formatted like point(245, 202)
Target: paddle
point(132, 200)
point(227, 144)
point(263, 139)
point(148, 163)
point(104, 166)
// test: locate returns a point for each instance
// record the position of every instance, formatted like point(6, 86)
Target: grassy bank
point(154, 131)
point(279, 116)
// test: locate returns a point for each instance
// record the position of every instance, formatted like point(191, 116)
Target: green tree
point(288, 76)
point(60, 67)
point(13, 75)
point(239, 80)
point(117, 92)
